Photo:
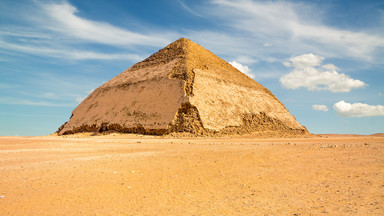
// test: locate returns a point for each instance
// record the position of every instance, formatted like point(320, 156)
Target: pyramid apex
point(183, 39)
point(180, 42)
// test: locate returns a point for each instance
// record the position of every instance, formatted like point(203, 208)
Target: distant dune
point(378, 134)
point(350, 135)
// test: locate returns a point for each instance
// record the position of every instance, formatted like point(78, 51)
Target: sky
point(324, 60)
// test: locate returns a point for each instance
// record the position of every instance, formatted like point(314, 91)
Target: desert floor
point(143, 175)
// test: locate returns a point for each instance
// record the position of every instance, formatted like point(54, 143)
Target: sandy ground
point(134, 175)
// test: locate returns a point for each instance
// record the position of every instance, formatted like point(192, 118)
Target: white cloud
point(357, 109)
point(64, 52)
point(79, 99)
point(187, 8)
point(11, 100)
point(287, 64)
point(294, 27)
point(330, 67)
point(56, 30)
point(267, 44)
point(50, 89)
point(243, 68)
point(67, 22)
point(306, 60)
point(320, 107)
point(309, 73)
point(251, 28)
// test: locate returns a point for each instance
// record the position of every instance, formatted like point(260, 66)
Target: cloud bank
point(262, 30)
point(309, 73)
point(295, 27)
point(320, 107)
point(358, 109)
point(58, 31)
point(67, 22)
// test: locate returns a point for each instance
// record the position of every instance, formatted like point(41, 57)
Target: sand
point(143, 175)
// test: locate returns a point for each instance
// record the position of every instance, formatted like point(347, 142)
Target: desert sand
point(146, 175)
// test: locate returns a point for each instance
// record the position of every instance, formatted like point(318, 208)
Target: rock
point(183, 89)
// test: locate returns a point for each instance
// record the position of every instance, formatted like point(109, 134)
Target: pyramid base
point(187, 123)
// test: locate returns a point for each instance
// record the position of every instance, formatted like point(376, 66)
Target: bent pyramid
point(182, 88)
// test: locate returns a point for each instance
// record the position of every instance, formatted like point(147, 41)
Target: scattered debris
point(348, 146)
point(329, 146)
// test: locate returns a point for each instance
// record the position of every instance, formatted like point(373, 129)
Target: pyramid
point(183, 88)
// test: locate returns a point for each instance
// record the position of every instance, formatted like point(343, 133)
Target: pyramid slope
point(182, 88)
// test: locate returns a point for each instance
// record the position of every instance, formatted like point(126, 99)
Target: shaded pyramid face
point(182, 88)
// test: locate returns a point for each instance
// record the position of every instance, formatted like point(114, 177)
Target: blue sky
point(323, 59)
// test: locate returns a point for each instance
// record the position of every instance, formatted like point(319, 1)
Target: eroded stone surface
point(182, 88)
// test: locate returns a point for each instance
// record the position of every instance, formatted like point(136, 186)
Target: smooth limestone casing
point(149, 101)
point(223, 104)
